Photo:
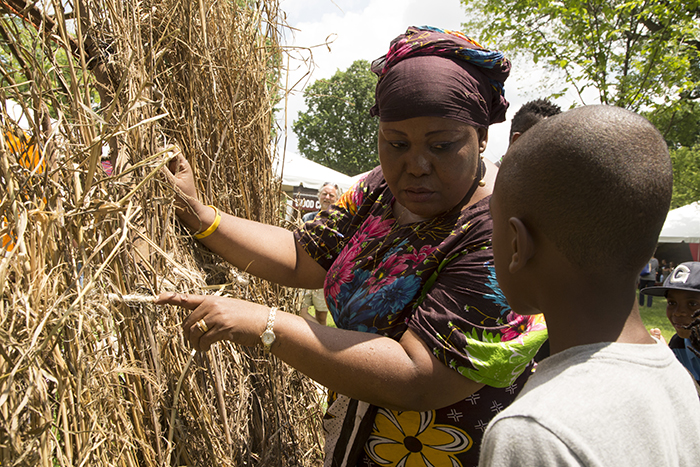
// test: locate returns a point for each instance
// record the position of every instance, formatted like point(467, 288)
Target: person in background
point(647, 278)
point(27, 154)
point(610, 394)
point(427, 350)
point(682, 291)
point(327, 195)
point(529, 114)
point(663, 272)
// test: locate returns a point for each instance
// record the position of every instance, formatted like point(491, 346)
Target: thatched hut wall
point(91, 372)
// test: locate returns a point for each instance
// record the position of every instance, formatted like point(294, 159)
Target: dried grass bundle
point(91, 372)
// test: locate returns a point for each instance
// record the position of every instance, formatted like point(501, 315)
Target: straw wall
point(91, 372)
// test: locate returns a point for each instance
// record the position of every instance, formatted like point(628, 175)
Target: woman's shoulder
point(370, 181)
point(476, 215)
point(370, 187)
point(479, 208)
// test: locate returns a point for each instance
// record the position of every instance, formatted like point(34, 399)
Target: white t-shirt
point(604, 404)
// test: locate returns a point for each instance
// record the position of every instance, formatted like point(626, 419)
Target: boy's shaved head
point(596, 181)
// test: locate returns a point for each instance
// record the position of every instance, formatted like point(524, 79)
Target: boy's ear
point(515, 136)
point(523, 245)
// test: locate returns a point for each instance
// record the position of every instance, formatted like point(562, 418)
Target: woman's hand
point(225, 319)
point(179, 172)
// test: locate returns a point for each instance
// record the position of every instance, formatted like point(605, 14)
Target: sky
point(334, 33)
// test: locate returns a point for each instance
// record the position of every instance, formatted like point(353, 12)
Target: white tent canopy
point(301, 171)
point(682, 225)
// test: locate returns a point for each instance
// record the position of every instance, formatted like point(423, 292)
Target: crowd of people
point(445, 275)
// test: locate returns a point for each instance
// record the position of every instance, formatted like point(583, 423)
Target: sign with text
point(305, 199)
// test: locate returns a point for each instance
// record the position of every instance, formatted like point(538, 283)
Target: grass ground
point(654, 317)
point(329, 318)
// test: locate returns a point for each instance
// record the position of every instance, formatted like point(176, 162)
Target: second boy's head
point(682, 291)
point(590, 187)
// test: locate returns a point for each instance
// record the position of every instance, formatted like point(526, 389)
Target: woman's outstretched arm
point(266, 251)
point(400, 375)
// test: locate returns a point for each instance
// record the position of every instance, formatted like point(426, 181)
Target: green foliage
point(31, 64)
point(337, 130)
point(680, 125)
point(634, 53)
point(686, 176)
point(678, 122)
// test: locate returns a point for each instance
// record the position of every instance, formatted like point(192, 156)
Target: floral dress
point(437, 278)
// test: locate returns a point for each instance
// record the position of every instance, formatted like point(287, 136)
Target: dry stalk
point(91, 371)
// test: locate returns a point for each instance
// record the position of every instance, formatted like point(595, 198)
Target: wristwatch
point(268, 336)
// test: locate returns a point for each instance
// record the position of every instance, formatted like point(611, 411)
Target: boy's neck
point(593, 314)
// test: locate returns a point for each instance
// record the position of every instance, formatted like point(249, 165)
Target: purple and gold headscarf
point(431, 72)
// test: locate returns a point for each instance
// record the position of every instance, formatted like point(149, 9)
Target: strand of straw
point(130, 299)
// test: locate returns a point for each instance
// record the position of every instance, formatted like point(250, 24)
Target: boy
point(587, 187)
point(529, 114)
point(682, 291)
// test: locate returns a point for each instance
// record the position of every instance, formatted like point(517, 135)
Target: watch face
point(268, 337)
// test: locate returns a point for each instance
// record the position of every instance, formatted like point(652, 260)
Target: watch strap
point(268, 335)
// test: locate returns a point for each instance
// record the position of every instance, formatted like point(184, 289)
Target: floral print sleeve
point(462, 313)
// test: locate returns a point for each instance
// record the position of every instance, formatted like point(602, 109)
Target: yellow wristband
point(212, 228)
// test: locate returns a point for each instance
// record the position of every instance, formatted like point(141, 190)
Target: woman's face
point(430, 162)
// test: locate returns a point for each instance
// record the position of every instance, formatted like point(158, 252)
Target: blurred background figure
point(647, 278)
point(529, 114)
point(682, 291)
point(327, 195)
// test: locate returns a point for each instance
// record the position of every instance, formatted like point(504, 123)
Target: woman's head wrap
point(430, 72)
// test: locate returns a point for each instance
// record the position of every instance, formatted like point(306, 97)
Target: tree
point(634, 53)
point(643, 55)
point(680, 126)
point(686, 175)
point(337, 130)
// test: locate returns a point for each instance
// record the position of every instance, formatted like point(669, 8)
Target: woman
point(428, 350)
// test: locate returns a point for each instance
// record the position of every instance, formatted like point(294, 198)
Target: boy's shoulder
point(582, 382)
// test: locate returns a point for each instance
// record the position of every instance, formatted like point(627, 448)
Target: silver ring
point(202, 326)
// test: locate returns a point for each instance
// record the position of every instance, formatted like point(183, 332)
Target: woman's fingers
point(179, 173)
point(201, 335)
point(188, 301)
point(194, 326)
point(217, 318)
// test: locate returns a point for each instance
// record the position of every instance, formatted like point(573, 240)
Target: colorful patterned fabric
point(30, 157)
point(473, 75)
point(437, 278)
